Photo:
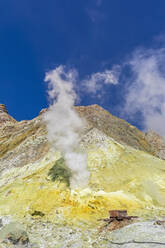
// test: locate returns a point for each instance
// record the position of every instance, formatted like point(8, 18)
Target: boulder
point(14, 233)
point(138, 235)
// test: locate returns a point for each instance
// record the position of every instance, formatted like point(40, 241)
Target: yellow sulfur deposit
point(120, 178)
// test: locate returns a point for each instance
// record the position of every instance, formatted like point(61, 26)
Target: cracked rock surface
point(142, 234)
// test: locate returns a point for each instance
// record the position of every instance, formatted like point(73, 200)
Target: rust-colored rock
point(119, 224)
point(118, 219)
point(117, 213)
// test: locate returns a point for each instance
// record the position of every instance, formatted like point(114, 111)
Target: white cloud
point(146, 88)
point(95, 82)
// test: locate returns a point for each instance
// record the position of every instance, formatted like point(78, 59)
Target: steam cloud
point(64, 124)
point(95, 83)
point(146, 88)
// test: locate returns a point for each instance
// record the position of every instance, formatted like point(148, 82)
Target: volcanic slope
point(124, 174)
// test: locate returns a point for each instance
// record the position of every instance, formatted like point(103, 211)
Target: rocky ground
point(47, 235)
point(127, 171)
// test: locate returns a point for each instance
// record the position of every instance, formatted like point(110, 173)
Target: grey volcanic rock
point(138, 235)
point(13, 233)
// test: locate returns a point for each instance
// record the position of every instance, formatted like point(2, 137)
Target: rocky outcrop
point(13, 233)
point(157, 142)
point(96, 117)
point(144, 234)
point(4, 116)
point(114, 127)
point(21, 142)
point(3, 108)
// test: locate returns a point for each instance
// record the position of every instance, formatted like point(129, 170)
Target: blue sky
point(89, 35)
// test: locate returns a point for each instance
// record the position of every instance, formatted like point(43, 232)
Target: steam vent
point(38, 206)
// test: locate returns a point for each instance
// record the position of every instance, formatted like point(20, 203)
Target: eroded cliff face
point(124, 174)
point(21, 142)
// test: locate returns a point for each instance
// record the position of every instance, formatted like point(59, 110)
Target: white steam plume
point(64, 124)
point(146, 88)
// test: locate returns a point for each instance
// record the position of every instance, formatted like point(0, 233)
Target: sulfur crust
point(121, 178)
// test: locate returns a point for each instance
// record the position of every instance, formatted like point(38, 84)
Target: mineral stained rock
point(126, 172)
point(13, 233)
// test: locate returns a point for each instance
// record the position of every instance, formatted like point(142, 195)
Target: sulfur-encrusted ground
point(53, 214)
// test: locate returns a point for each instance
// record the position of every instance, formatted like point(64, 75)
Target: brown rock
point(43, 111)
point(26, 141)
point(114, 127)
point(157, 142)
point(4, 116)
point(118, 224)
point(3, 108)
